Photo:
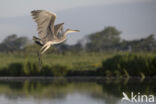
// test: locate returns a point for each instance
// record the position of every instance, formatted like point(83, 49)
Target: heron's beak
point(76, 30)
point(70, 30)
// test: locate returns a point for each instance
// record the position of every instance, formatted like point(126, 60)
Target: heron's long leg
point(48, 46)
point(43, 47)
point(40, 60)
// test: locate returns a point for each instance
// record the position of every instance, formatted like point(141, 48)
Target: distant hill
point(135, 20)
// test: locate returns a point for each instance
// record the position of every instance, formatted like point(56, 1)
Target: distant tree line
point(13, 43)
point(108, 39)
point(144, 44)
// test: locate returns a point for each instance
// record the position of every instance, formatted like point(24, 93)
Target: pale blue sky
point(11, 8)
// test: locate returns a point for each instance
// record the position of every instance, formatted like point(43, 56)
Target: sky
point(11, 8)
point(135, 18)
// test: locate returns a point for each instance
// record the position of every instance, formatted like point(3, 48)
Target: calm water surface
point(72, 90)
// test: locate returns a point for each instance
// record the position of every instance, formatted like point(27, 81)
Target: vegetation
point(53, 63)
point(103, 54)
point(130, 65)
point(13, 43)
point(107, 40)
point(89, 64)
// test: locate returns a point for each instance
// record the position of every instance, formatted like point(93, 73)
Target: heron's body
point(56, 41)
point(47, 31)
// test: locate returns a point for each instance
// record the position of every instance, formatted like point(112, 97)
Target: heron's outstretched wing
point(58, 28)
point(45, 22)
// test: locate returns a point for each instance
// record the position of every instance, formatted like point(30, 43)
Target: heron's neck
point(65, 33)
point(64, 36)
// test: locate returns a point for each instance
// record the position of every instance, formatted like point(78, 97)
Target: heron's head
point(71, 30)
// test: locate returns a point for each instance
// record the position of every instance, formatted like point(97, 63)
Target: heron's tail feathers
point(37, 41)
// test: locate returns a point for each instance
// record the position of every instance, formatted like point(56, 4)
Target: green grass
point(76, 61)
point(73, 61)
point(19, 64)
point(119, 64)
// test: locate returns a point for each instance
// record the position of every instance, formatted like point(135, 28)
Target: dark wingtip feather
point(36, 12)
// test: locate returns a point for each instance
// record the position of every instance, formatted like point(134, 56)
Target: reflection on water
point(72, 91)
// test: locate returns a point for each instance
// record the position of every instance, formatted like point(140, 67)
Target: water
point(72, 90)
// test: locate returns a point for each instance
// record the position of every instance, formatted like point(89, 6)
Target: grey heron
point(47, 31)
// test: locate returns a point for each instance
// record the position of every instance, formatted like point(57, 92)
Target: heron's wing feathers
point(45, 22)
point(57, 28)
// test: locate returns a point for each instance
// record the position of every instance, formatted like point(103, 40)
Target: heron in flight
point(47, 31)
